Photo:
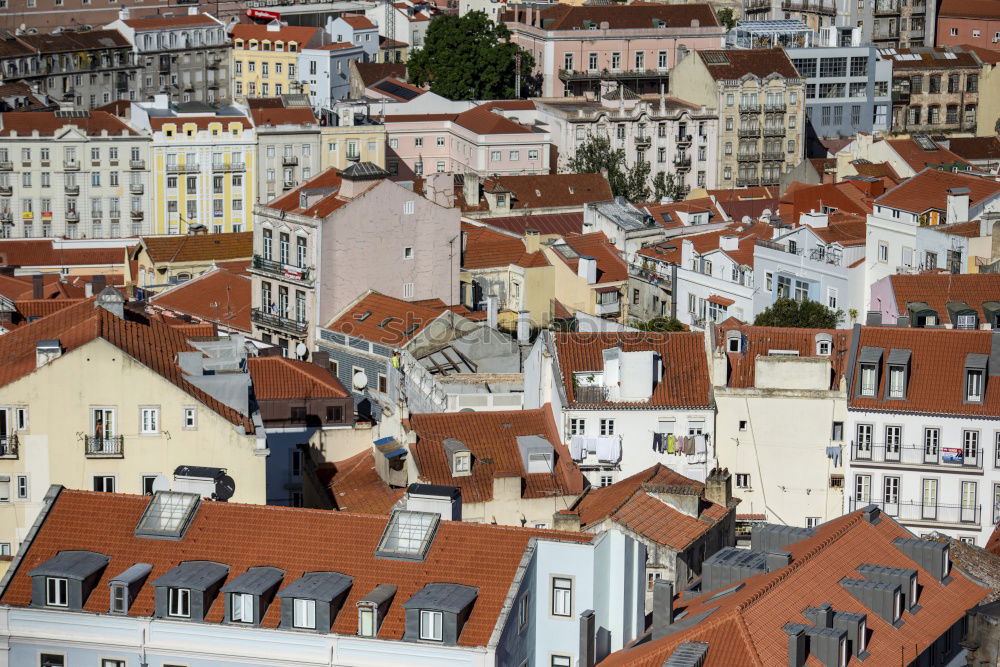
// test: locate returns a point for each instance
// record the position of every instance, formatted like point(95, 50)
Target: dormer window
point(119, 598)
point(897, 376)
point(869, 376)
point(67, 579)
point(241, 608)
point(366, 620)
point(179, 602)
point(463, 462)
point(56, 592)
point(734, 341)
point(437, 613)
point(868, 365)
point(975, 377)
point(430, 625)
point(824, 344)
point(459, 455)
point(304, 614)
point(126, 586)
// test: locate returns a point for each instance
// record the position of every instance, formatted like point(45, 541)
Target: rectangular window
point(22, 487)
point(149, 421)
point(119, 599)
point(241, 608)
point(897, 377)
point(55, 592)
point(105, 483)
point(523, 607)
point(430, 625)
point(304, 614)
point(179, 602)
point(561, 661)
point(366, 621)
point(52, 659)
point(562, 596)
point(742, 480)
point(578, 426)
point(970, 447)
point(607, 427)
point(190, 418)
point(974, 386)
point(868, 381)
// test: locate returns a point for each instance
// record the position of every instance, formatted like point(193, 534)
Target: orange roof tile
point(199, 247)
point(358, 21)
point(845, 229)
point(685, 369)
point(622, 17)
point(287, 33)
point(283, 116)
point(928, 190)
point(278, 378)
point(43, 252)
point(47, 124)
point(492, 437)
point(326, 185)
point(930, 59)
point(938, 289)
point(993, 545)
point(356, 487)
point(554, 190)
point(390, 321)
point(543, 223)
point(220, 295)
point(881, 170)
point(918, 158)
point(484, 556)
point(611, 268)
point(485, 248)
point(734, 63)
point(667, 215)
point(744, 627)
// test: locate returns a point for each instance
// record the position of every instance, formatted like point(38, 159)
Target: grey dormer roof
point(197, 575)
point(256, 581)
point(899, 357)
point(379, 595)
point(871, 355)
point(453, 446)
point(977, 361)
point(364, 171)
point(321, 586)
point(71, 565)
point(452, 598)
point(133, 574)
point(533, 444)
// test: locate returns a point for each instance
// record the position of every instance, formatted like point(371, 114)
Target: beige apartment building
point(761, 102)
point(288, 143)
point(91, 399)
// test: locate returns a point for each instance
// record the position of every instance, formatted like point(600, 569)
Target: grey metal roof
point(364, 171)
point(71, 565)
point(321, 586)
point(453, 446)
point(380, 594)
point(433, 490)
point(256, 581)
point(452, 598)
point(958, 307)
point(899, 357)
point(871, 355)
point(50, 344)
point(133, 574)
point(918, 306)
point(621, 212)
point(976, 360)
point(688, 654)
point(194, 574)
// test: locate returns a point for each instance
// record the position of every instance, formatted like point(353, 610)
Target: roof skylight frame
point(168, 515)
point(408, 535)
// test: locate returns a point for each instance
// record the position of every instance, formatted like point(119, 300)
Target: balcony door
point(864, 445)
point(4, 423)
point(102, 426)
point(968, 502)
point(893, 440)
point(929, 499)
point(890, 495)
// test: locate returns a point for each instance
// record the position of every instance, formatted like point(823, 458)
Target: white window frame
point(367, 620)
point(56, 592)
point(22, 489)
point(189, 418)
point(607, 426)
point(149, 420)
point(119, 599)
point(431, 625)
point(179, 602)
point(239, 606)
point(561, 592)
point(304, 613)
point(578, 426)
point(743, 480)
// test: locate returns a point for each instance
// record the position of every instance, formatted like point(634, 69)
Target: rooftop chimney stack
point(37, 286)
point(958, 205)
point(470, 188)
point(586, 268)
point(719, 487)
point(729, 242)
point(663, 607)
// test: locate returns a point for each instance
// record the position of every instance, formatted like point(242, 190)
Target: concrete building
point(576, 48)
point(456, 593)
point(974, 23)
point(785, 471)
point(923, 432)
point(74, 174)
point(757, 92)
point(620, 407)
point(357, 30)
point(203, 166)
point(82, 69)
point(673, 136)
point(408, 25)
point(185, 57)
point(265, 58)
point(325, 71)
point(813, 16)
point(847, 89)
point(289, 145)
point(146, 386)
point(934, 91)
point(308, 265)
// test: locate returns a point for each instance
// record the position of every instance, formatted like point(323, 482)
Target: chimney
point(823, 615)
point(100, 282)
point(37, 286)
point(775, 560)
point(814, 219)
point(88, 289)
point(192, 11)
point(470, 189)
point(588, 645)
point(873, 318)
point(46, 351)
point(532, 240)
point(729, 242)
point(719, 487)
point(123, 14)
point(523, 326)
point(663, 607)
point(586, 268)
point(566, 520)
point(491, 311)
point(796, 644)
point(321, 358)
point(958, 205)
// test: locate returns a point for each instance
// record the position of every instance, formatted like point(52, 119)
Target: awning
point(720, 300)
point(612, 288)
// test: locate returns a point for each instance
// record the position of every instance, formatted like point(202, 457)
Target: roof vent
point(688, 654)
point(871, 514)
point(775, 560)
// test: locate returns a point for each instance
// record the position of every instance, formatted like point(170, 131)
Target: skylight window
point(408, 535)
point(566, 251)
point(364, 316)
point(168, 515)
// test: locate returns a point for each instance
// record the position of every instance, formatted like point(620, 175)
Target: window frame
point(438, 629)
point(561, 596)
point(238, 601)
point(153, 410)
point(300, 605)
point(56, 592)
point(178, 602)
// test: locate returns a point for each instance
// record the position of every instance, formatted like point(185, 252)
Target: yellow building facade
point(265, 59)
point(342, 145)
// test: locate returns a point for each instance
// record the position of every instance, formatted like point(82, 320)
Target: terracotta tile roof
point(283, 116)
point(928, 190)
point(843, 196)
point(757, 192)
point(18, 96)
point(845, 229)
point(31, 309)
point(970, 9)
point(24, 123)
point(611, 268)
point(357, 21)
point(42, 252)
point(161, 22)
point(220, 295)
point(667, 215)
point(931, 59)
point(492, 437)
point(993, 545)
point(202, 122)
point(969, 230)
point(744, 627)
point(386, 43)
point(326, 183)
point(152, 344)
point(938, 289)
point(18, 288)
point(671, 249)
point(337, 46)
point(483, 120)
point(242, 536)
point(759, 341)
point(559, 311)
point(985, 55)
point(554, 190)
point(356, 487)
point(685, 369)
point(198, 247)
point(485, 248)
point(11, 47)
point(623, 17)
point(918, 158)
point(392, 322)
point(881, 170)
point(976, 148)
point(374, 72)
point(278, 378)
point(543, 223)
point(68, 40)
point(936, 380)
point(303, 35)
point(734, 63)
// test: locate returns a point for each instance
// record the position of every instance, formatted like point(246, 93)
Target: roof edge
point(48, 501)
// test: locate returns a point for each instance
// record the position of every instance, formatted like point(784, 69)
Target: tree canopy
point(659, 324)
point(726, 18)
point(470, 58)
point(595, 156)
point(799, 314)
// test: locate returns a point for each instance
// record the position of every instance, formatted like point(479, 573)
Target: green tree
point(665, 185)
point(659, 324)
point(726, 18)
point(470, 58)
point(799, 314)
point(596, 156)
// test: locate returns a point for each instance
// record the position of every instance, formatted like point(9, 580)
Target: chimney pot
point(663, 607)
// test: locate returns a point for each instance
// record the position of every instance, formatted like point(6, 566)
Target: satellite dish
point(360, 380)
point(300, 350)
point(225, 487)
point(161, 483)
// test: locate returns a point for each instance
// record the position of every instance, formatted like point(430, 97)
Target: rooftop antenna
point(390, 21)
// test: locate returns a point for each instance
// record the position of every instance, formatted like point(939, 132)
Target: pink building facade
point(575, 48)
point(478, 140)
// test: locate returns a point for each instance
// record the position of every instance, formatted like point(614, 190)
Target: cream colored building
point(266, 57)
point(92, 400)
point(352, 137)
point(761, 103)
point(203, 165)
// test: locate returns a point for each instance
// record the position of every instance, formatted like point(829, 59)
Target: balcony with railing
point(6, 216)
point(886, 7)
point(137, 215)
point(774, 156)
point(104, 446)
point(72, 216)
point(303, 274)
point(749, 132)
point(886, 33)
point(643, 141)
point(943, 458)
point(8, 446)
point(914, 511)
point(6, 165)
point(136, 164)
point(290, 161)
point(71, 165)
point(684, 139)
point(747, 182)
point(749, 107)
point(774, 131)
point(747, 157)
point(274, 321)
point(809, 6)
point(229, 166)
point(6, 190)
point(189, 167)
point(136, 188)
point(918, 8)
point(682, 162)
point(770, 179)
point(72, 189)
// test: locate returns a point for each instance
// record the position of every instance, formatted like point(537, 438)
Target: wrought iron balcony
point(774, 156)
point(72, 216)
point(770, 179)
point(6, 165)
point(886, 7)
point(747, 182)
point(72, 189)
point(684, 139)
point(136, 188)
point(774, 131)
point(775, 108)
point(901, 96)
point(8, 446)
point(268, 319)
point(229, 166)
point(286, 271)
point(71, 165)
point(911, 455)
point(183, 168)
point(919, 511)
point(6, 216)
point(137, 164)
point(748, 157)
point(643, 141)
point(749, 132)
point(137, 215)
point(753, 108)
point(104, 447)
point(290, 161)
point(682, 161)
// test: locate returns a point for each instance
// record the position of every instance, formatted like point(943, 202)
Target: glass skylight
point(168, 514)
point(408, 535)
